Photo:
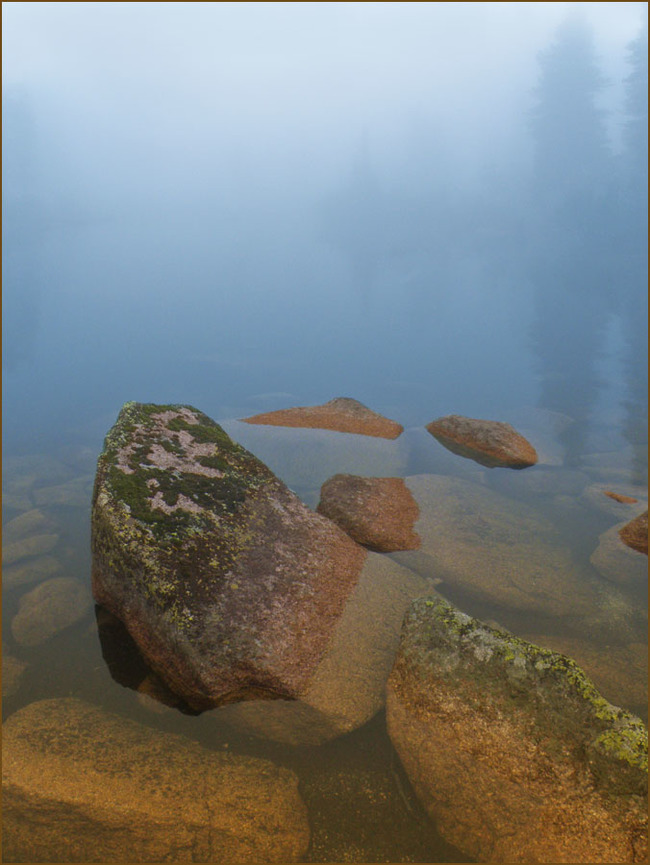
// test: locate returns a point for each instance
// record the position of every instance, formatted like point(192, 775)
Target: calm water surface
point(409, 355)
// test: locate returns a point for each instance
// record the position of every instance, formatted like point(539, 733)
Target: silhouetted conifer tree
point(633, 232)
point(571, 229)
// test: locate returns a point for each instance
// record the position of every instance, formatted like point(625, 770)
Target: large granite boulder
point(494, 549)
point(378, 513)
point(82, 785)
point(341, 414)
point(233, 589)
point(490, 443)
point(511, 748)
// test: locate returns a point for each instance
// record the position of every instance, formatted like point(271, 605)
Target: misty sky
point(137, 85)
point(198, 193)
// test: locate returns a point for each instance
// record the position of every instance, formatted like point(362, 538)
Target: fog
point(431, 207)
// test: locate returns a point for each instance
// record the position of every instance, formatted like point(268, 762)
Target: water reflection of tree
point(633, 231)
point(580, 252)
point(354, 220)
point(21, 232)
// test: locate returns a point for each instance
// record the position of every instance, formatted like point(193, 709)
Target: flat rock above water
point(82, 785)
point(341, 414)
point(511, 748)
point(490, 443)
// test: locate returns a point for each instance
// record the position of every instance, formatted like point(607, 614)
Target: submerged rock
point(231, 588)
point(341, 414)
point(48, 609)
point(635, 533)
point(494, 548)
point(349, 685)
point(12, 673)
point(32, 571)
point(626, 502)
point(74, 494)
point(28, 547)
point(511, 748)
point(618, 562)
point(490, 443)
point(32, 522)
point(82, 785)
point(378, 513)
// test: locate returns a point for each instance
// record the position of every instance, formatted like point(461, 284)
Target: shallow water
point(361, 807)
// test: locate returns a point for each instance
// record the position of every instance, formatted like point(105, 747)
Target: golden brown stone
point(511, 748)
point(341, 415)
point(377, 512)
point(83, 785)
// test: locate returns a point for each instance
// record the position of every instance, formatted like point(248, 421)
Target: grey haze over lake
point(432, 208)
point(205, 202)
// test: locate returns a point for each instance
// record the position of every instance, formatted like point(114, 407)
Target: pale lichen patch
point(164, 459)
point(183, 503)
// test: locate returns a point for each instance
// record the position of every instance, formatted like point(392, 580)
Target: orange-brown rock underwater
point(83, 785)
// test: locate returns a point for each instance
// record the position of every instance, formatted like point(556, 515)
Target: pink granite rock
point(377, 512)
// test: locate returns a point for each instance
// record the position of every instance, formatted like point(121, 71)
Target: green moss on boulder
point(517, 740)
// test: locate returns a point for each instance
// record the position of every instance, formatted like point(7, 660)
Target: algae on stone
point(510, 746)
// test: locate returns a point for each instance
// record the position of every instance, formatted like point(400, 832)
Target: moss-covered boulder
point(511, 748)
point(230, 586)
point(83, 785)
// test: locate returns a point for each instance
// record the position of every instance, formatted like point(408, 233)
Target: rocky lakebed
point(313, 635)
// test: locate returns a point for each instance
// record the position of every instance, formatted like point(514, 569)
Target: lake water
point(240, 335)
